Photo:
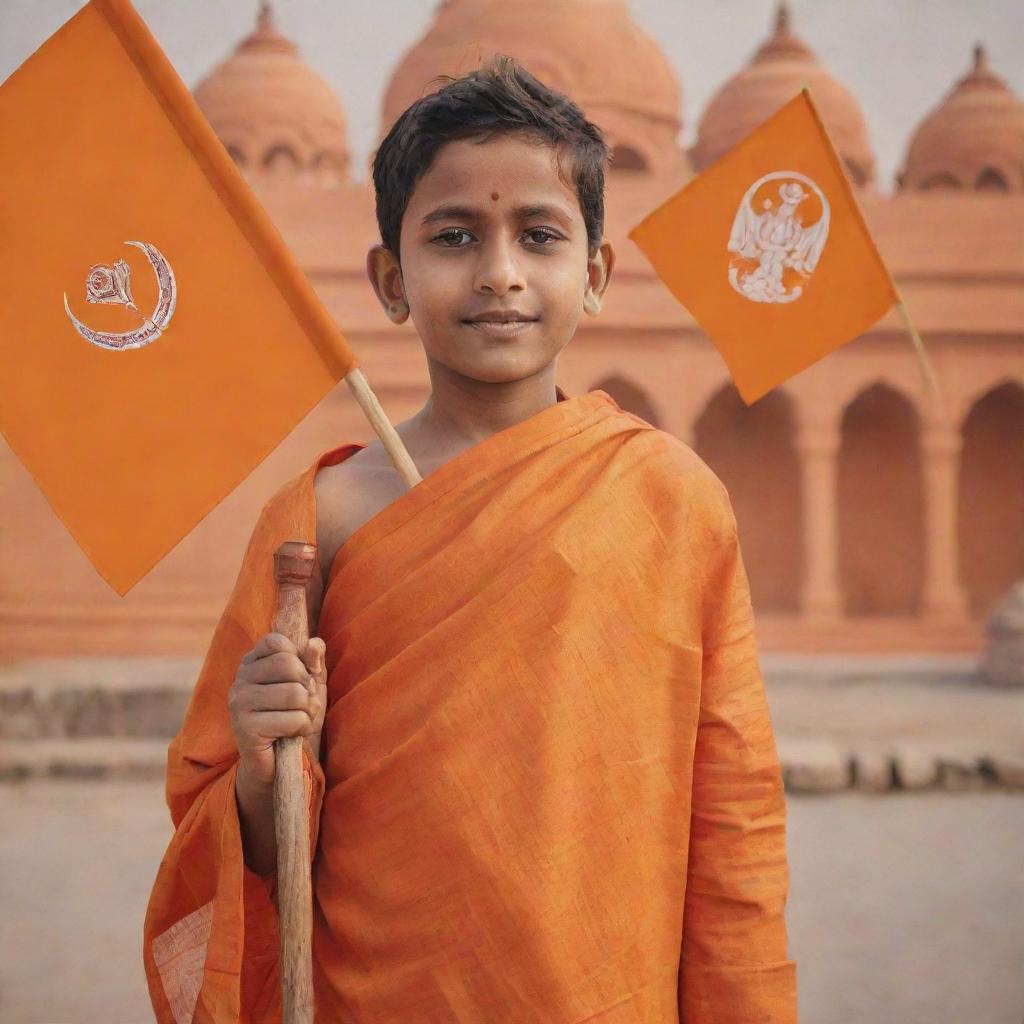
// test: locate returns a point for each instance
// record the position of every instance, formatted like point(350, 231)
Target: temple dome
point(974, 139)
point(274, 113)
point(591, 50)
point(776, 73)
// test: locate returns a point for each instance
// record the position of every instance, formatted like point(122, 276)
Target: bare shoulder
point(349, 494)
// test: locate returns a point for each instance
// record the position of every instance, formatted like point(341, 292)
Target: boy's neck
point(461, 412)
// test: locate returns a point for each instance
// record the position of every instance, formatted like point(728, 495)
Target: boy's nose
point(498, 270)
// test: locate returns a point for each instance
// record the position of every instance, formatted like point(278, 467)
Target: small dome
point(974, 139)
point(274, 113)
point(777, 72)
point(591, 50)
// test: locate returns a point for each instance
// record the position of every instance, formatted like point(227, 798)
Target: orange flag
point(769, 251)
point(158, 339)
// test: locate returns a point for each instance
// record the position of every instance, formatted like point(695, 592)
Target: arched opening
point(626, 158)
point(990, 180)
point(327, 169)
point(629, 397)
point(990, 523)
point(751, 450)
point(281, 160)
point(880, 503)
point(939, 181)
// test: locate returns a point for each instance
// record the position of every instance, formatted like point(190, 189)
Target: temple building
point(872, 517)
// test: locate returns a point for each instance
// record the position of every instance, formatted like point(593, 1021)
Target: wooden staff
point(294, 564)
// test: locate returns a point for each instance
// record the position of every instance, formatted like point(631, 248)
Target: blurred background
point(883, 531)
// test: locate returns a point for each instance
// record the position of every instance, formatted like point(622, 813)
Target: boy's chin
point(499, 368)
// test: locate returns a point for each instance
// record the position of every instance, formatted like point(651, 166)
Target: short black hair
point(501, 97)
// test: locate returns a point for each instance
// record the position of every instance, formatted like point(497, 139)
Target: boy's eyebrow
point(457, 211)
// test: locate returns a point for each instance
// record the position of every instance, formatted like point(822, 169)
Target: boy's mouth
point(500, 316)
point(500, 328)
point(501, 323)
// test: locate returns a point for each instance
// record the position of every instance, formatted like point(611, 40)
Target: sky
point(898, 57)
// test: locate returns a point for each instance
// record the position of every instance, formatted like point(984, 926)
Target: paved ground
point(905, 908)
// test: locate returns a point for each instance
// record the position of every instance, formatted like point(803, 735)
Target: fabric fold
point(733, 961)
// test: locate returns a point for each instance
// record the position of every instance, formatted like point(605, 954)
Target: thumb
point(315, 656)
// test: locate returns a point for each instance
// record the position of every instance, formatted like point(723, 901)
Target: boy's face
point(492, 254)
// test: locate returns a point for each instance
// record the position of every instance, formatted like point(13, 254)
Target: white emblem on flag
point(113, 285)
point(777, 237)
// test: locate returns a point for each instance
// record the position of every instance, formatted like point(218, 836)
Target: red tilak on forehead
point(494, 195)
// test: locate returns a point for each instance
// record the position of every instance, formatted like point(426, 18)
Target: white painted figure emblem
point(113, 285)
point(777, 237)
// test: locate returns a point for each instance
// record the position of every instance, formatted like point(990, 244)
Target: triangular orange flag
point(158, 339)
point(769, 251)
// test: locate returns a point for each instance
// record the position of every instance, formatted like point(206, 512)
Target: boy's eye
point(446, 235)
point(542, 231)
point(452, 234)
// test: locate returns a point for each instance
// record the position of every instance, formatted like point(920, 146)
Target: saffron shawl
point(549, 789)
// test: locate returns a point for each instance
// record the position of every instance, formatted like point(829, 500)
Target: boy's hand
point(277, 693)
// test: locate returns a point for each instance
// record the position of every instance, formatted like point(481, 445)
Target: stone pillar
point(942, 597)
point(817, 443)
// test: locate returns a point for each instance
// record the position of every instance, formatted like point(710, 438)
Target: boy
point(543, 784)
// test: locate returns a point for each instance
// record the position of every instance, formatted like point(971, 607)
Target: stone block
point(872, 771)
point(915, 767)
point(958, 772)
point(1004, 653)
point(1007, 769)
point(812, 764)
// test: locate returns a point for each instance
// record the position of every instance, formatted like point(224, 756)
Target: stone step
point(871, 724)
point(809, 764)
point(814, 764)
point(82, 759)
point(95, 697)
point(885, 669)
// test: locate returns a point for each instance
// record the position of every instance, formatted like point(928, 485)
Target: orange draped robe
point(549, 788)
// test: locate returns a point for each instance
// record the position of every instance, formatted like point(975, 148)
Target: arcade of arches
point(848, 524)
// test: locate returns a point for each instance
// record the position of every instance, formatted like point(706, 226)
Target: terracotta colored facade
point(871, 518)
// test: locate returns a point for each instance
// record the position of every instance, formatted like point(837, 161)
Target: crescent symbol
point(150, 329)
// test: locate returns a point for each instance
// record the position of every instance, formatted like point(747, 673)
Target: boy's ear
point(385, 275)
point(599, 273)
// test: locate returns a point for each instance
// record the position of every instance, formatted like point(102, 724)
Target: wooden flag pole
point(922, 356)
point(360, 387)
point(294, 563)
